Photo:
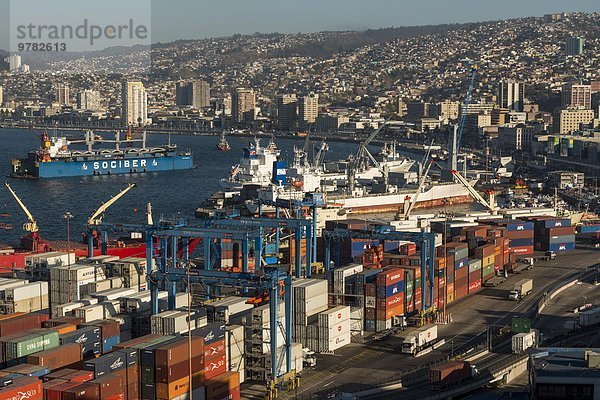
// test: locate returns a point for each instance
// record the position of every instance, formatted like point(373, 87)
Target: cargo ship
point(55, 158)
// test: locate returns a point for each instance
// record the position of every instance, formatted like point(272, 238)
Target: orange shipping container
point(65, 328)
point(179, 387)
point(11, 315)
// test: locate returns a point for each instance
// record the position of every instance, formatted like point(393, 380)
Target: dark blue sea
point(176, 192)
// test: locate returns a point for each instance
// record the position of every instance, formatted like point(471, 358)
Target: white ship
point(255, 167)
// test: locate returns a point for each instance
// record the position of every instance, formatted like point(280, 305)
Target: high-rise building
point(195, 93)
point(574, 46)
point(14, 62)
point(63, 95)
point(134, 103)
point(569, 120)
point(444, 110)
point(242, 101)
point(1, 96)
point(511, 95)
point(308, 109)
point(577, 96)
point(88, 100)
point(287, 111)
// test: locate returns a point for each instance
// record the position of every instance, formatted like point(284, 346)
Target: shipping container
point(64, 356)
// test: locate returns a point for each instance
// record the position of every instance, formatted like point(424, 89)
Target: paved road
point(378, 360)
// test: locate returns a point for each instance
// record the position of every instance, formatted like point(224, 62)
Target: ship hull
point(62, 169)
point(436, 196)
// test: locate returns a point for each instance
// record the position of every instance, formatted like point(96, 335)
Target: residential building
point(511, 95)
point(330, 122)
point(445, 110)
point(577, 96)
point(583, 150)
point(242, 101)
point(566, 180)
point(308, 109)
point(63, 95)
point(287, 111)
point(428, 124)
point(574, 46)
point(14, 62)
point(515, 137)
point(195, 93)
point(88, 100)
point(568, 120)
point(134, 103)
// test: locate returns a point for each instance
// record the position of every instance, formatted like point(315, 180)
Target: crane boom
point(419, 189)
point(472, 191)
point(463, 117)
point(31, 226)
point(96, 218)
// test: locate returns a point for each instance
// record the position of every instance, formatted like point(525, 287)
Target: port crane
point(31, 226)
point(98, 215)
point(475, 194)
point(363, 155)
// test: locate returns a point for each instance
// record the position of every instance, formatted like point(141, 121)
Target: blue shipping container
point(557, 223)
point(463, 262)
point(394, 289)
point(588, 228)
point(519, 226)
point(562, 247)
point(108, 343)
point(520, 242)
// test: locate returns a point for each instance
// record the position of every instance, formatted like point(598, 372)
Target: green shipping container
point(30, 344)
point(488, 271)
point(520, 325)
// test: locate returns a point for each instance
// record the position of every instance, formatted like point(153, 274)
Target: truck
point(451, 374)
point(589, 317)
point(419, 340)
point(495, 281)
point(309, 357)
point(523, 341)
point(521, 289)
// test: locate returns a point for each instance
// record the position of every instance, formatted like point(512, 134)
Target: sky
point(192, 19)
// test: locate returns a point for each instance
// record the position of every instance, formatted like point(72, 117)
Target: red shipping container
point(214, 367)
point(50, 384)
point(233, 394)
point(520, 234)
point(390, 276)
point(27, 387)
point(79, 376)
point(55, 393)
point(69, 319)
point(461, 273)
point(21, 323)
point(108, 327)
point(58, 374)
point(394, 300)
point(178, 352)
point(214, 349)
point(109, 385)
point(521, 250)
point(58, 357)
point(118, 396)
point(83, 391)
point(408, 249)
point(222, 384)
point(474, 285)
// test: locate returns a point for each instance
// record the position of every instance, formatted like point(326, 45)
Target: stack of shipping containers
point(554, 235)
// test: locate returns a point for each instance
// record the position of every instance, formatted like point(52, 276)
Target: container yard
point(106, 327)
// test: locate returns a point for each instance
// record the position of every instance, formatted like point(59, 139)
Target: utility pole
point(68, 216)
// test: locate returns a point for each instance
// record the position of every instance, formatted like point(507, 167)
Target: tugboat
point(223, 145)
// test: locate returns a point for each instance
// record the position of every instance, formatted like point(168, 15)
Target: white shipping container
point(99, 286)
point(26, 291)
point(334, 316)
point(113, 294)
point(523, 341)
point(334, 343)
point(340, 275)
point(111, 308)
point(178, 323)
point(90, 313)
